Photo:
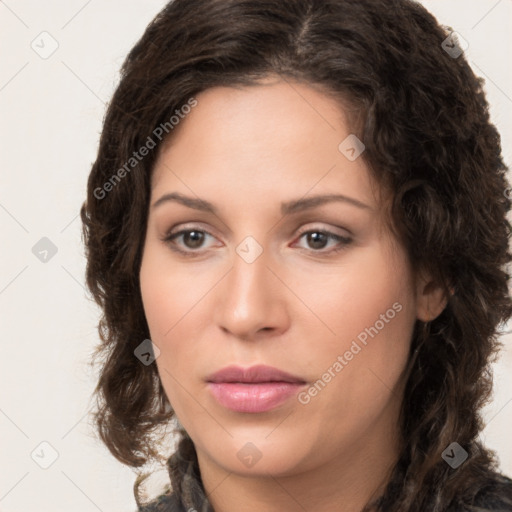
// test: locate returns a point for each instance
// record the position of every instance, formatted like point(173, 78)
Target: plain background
point(51, 113)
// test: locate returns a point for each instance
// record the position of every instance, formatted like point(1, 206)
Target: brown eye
point(189, 242)
point(317, 240)
point(193, 239)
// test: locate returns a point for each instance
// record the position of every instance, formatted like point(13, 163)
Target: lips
point(254, 374)
point(253, 390)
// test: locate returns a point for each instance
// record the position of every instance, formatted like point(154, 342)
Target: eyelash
point(170, 237)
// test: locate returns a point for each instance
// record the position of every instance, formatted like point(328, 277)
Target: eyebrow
point(287, 207)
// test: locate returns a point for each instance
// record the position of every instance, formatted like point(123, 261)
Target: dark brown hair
point(425, 123)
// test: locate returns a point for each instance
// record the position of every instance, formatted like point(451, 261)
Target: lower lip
point(258, 397)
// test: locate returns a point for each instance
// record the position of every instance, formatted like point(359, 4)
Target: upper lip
point(258, 373)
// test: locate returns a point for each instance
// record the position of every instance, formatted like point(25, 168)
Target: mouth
point(253, 390)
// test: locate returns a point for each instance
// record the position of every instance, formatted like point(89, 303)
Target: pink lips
point(255, 389)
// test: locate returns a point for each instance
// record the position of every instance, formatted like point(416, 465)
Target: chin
point(253, 455)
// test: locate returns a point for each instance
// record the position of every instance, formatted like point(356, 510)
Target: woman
point(296, 228)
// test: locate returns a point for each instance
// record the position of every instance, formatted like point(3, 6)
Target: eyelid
point(194, 226)
point(327, 229)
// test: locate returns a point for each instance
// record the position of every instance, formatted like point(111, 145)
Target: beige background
point(51, 112)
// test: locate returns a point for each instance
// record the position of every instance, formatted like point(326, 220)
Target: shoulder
point(165, 503)
point(494, 496)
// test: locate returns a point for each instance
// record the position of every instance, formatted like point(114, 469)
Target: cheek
point(168, 300)
point(353, 296)
point(169, 293)
point(175, 302)
point(368, 306)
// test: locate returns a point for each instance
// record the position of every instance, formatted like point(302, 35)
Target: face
point(317, 289)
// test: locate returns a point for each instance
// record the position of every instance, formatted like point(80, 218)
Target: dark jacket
point(495, 498)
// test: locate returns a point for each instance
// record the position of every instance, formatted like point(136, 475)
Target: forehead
point(275, 138)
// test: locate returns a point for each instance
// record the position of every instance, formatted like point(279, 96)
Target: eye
point(318, 238)
point(193, 239)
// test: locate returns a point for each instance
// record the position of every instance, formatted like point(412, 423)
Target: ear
point(430, 298)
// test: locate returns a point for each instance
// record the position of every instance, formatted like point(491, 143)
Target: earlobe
point(431, 299)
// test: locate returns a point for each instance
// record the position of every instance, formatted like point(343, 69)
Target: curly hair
point(424, 119)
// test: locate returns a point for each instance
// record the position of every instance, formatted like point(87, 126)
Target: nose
point(251, 300)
